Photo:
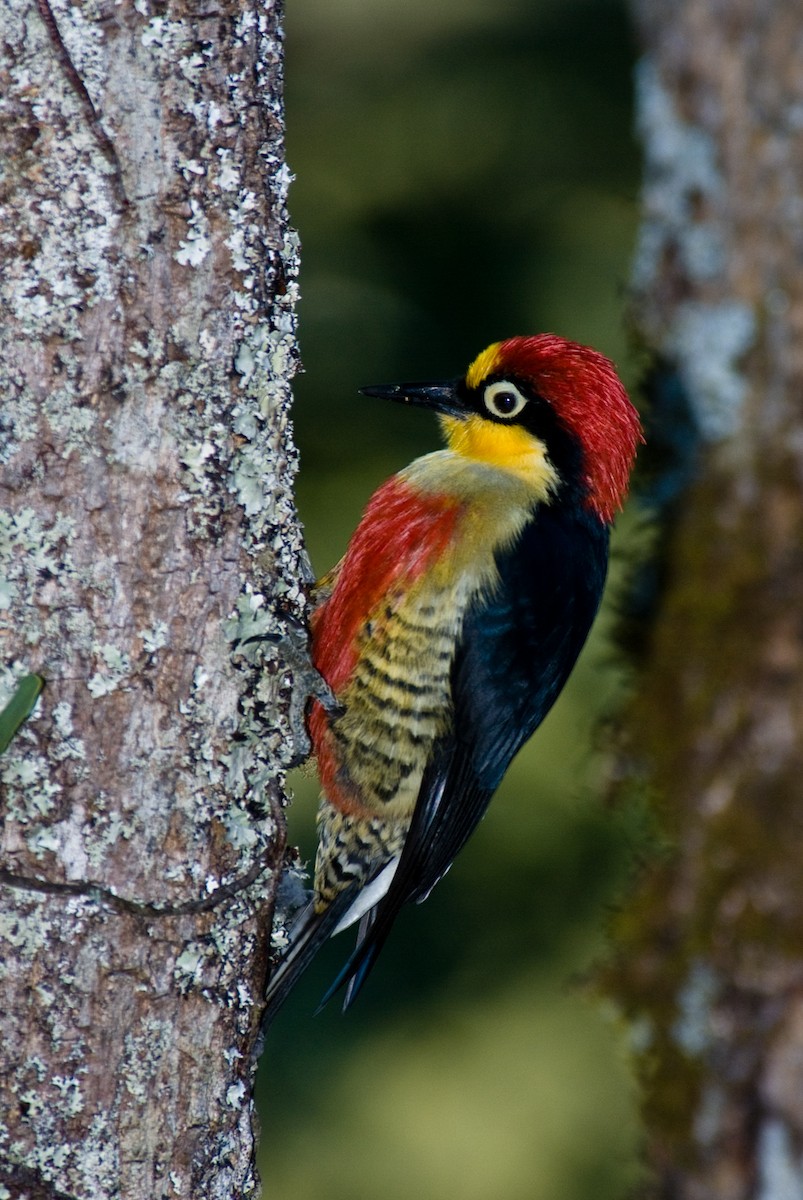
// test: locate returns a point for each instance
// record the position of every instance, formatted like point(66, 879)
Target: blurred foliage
point(465, 171)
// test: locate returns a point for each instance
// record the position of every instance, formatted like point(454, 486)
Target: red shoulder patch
point(401, 534)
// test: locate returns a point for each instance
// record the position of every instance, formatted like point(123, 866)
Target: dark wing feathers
point(515, 654)
point(518, 650)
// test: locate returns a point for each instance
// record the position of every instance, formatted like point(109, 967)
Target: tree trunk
point(712, 944)
point(146, 466)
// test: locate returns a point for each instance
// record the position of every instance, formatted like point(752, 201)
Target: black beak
point(438, 397)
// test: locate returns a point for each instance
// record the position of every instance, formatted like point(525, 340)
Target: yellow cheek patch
point(507, 447)
point(484, 364)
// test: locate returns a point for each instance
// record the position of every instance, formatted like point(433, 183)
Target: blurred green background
point(465, 171)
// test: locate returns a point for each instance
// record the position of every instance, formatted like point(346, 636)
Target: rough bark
point(147, 524)
point(712, 944)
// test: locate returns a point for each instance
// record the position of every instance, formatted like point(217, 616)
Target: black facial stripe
point(537, 417)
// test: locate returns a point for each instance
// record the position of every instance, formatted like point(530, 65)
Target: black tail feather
point(307, 934)
point(365, 926)
point(361, 960)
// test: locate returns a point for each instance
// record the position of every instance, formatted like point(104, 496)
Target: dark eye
point(503, 400)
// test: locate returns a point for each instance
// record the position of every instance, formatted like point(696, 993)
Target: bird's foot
point(292, 645)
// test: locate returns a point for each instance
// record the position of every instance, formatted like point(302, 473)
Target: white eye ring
point(503, 400)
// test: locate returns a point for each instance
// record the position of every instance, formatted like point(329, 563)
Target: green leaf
point(19, 708)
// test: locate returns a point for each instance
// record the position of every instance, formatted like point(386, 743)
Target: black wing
point(515, 654)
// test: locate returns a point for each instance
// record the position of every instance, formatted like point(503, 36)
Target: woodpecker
point(452, 623)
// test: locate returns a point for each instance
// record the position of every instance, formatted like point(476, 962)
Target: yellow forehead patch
point(508, 447)
point(484, 364)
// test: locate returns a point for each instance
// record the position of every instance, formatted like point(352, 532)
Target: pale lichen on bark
point(146, 467)
point(683, 241)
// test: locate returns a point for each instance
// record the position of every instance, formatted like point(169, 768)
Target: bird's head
point(542, 406)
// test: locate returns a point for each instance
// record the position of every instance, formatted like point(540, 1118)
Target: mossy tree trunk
point(147, 524)
point(712, 944)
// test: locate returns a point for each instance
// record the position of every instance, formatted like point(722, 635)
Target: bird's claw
point(306, 682)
